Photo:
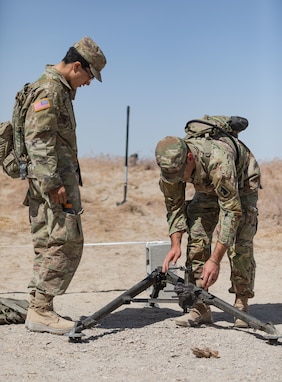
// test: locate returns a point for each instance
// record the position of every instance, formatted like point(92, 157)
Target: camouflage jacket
point(216, 173)
point(50, 133)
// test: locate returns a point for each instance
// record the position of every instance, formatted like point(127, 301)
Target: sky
point(168, 60)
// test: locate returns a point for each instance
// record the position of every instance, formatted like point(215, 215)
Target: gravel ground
point(135, 343)
point(141, 343)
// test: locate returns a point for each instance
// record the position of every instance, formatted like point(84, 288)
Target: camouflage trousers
point(202, 218)
point(57, 240)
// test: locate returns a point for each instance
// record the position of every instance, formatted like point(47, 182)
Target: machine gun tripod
point(187, 294)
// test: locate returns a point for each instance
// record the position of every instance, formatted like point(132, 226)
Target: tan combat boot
point(199, 314)
point(32, 301)
point(241, 303)
point(42, 318)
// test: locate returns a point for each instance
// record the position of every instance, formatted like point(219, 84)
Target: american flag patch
point(42, 104)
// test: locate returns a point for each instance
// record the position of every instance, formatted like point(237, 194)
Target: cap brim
point(173, 177)
point(95, 73)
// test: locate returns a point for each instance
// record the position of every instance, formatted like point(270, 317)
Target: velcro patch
point(42, 104)
point(224, 191)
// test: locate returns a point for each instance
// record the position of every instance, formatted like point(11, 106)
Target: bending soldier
point(226, 181)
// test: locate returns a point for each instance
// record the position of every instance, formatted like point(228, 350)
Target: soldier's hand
point(210, 274)
point(175, 250)
point(172, 257)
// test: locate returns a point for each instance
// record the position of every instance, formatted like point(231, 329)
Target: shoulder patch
point(41, 105)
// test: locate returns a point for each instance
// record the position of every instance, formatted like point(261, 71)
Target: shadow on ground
point(263, 312)
point(133, 318)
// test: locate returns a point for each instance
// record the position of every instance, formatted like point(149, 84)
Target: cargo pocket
point(73, 227)
point(66, 228)
point(248, 228)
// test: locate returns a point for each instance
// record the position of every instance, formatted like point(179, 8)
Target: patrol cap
point(91, 52)
point(171, 157)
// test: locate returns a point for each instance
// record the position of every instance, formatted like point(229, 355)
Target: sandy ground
point(136, 342)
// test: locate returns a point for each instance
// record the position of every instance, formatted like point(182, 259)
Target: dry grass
point(270, 201)
point(142, 217)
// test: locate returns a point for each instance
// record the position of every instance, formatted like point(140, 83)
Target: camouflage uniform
point(225, 198)
point(50, 138)
point(54, 178)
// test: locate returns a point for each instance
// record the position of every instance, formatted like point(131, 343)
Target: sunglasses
point(90, 74)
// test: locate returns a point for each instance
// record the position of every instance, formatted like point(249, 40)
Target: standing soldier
point(54, 178)
point(226, 178)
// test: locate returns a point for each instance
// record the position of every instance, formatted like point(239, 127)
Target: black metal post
point(126, 158)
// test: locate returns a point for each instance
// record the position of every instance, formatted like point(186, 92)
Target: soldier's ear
point(76, 66)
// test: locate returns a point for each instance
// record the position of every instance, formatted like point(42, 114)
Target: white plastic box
point(156, 252)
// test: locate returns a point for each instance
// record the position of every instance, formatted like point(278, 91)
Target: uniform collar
point(50, 69)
